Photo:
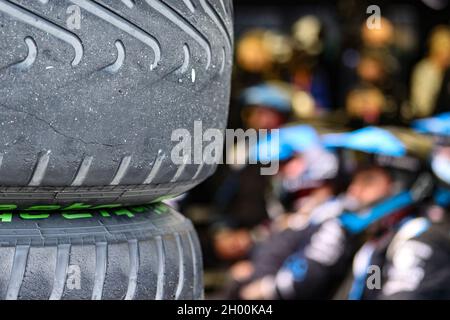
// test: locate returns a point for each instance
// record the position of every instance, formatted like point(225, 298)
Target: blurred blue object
point(371, 140)
point(269, 96)
point(438, 125)
point(295, 139)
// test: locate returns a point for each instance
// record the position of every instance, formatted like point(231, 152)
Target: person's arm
point(424, 90)
point(415, 271)
point(310, 273)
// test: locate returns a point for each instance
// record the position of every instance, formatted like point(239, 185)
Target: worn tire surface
point(91, 91)
point(147, 252)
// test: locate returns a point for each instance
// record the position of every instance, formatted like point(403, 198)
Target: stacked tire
point(90, 94)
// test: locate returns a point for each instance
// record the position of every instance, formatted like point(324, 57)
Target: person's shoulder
point(330, 209)
point(409, 233)
point(414, 227)
point(421, 232)
point(424, 63)
point(424, 66)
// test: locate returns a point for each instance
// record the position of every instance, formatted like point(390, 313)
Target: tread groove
point(161, 268)
point(155, 168)
point(62, 263)
point(124, 25)
point(82, 172)
point(123, 167)
point(184, 25)
point(134, 269)
point(116, 65)
point(17, 272)
point(40, 170)
point(181, 270)
point(189, 5)
point(224, 57)
point(199, 170)
point(31, 55)
point(128, 3)
point(223, 18)
point(184, 67)
point(43, 24)
point(217, 20)
point(224, 8)
point(194, 262)
point(180, 170)
point(101, 257)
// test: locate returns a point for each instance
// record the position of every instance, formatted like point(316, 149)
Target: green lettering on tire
point(31, 216)
point(125, 212)
point(7, 207)
point(72, 216)
point(6, 217)
point(44, 208)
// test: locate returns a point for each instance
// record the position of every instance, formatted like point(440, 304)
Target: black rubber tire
point(139, 253)
point(86, 115)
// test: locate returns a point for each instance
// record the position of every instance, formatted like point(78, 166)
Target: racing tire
point(135, 253)
point(91, 92)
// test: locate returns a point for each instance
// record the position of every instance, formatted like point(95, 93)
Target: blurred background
point(311, 62)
